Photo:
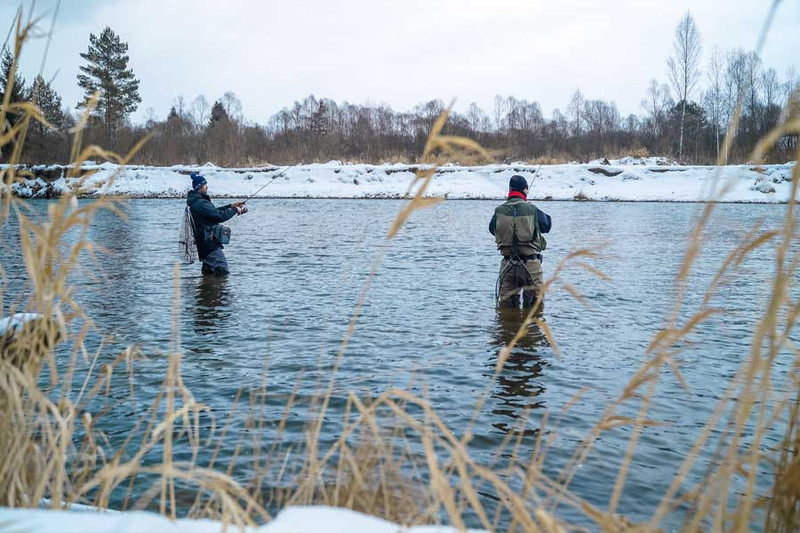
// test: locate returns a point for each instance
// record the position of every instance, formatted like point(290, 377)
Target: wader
point(215, 264)
point(519, 275)
point(521, 242)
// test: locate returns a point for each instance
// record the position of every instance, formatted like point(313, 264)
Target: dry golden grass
point(635, 152)
point(54, 447)
point(557, 159)
point(580, 196)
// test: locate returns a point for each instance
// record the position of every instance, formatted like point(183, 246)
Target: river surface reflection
point(428, 322)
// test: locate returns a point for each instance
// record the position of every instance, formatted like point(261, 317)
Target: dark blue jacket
point(206, 215)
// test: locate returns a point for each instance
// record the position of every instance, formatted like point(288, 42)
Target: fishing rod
point(267, 183)
point(534, 175)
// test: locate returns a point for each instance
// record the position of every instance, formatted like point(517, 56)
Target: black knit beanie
point(517, 183)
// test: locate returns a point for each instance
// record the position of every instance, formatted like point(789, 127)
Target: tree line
point(686, 117)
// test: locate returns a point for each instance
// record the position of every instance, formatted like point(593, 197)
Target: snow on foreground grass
point(621, 180)
point(290, 520)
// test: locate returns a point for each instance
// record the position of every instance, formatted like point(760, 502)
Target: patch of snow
point(335, 520)
point(763, 185)
point(647, 179)
point(16, 321)
point(291, 520)
point(644, 161)
point(45, 503)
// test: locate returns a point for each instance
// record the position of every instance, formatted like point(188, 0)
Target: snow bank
point(16, 321)
point(290, 520)
point(628, 179)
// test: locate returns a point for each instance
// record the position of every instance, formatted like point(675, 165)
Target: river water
point(428, 321)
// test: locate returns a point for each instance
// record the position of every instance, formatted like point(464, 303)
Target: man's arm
point(493, 224)
point(544, 220)
point(215, 215)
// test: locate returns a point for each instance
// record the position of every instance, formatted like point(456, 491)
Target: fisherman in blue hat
point(209, 233)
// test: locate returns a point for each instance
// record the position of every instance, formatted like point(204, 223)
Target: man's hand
point(239, 207)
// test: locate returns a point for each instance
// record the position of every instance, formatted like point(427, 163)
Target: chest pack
point(517, 230)
point(217, 233)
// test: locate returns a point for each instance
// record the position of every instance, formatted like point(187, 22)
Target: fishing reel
point(244, 210)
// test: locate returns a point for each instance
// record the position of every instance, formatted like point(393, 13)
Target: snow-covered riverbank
point(290, 520)
point(617, 180)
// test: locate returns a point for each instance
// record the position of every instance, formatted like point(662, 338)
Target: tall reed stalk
point(55, 448)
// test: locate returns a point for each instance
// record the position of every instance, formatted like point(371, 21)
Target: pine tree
point(17, 94)
point(18, 88)
point(43, 96)
point(319, 120)
point(107, 74)
point(218, 114)
point(46, 144)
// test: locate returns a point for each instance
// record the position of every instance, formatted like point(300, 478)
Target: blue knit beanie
point(197, 181)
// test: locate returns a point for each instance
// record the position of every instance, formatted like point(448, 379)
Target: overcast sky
point(271, 53)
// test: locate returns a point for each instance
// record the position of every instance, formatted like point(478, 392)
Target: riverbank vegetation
point(683, 116)
point(395, 457)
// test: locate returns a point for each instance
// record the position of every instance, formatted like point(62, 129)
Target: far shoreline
point(627, 180)
point(396, 199)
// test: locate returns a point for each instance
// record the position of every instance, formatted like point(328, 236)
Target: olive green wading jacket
point(517, 215)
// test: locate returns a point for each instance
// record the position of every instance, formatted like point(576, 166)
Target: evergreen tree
point(218, 114)
point(48, 101)
point(176, 123)
point(17, 94)
point(43, 144)
point(319, 120)
point(107, 74)
point(18, 87)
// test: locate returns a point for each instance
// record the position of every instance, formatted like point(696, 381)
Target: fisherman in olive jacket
point(206, 217)
point(518, 228)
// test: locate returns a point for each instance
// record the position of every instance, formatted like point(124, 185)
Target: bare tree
point(791, 96)
point(150, 117)
point(180, 106)
point(602, 118)
point(476, 117)
point(771, 86)
point(200, 110)
point(753, 85)
point(714, 95)
point(656, 103)
point(575, 112)
point(735, 79)
point(499, 112)
point(559, 124)
point(771, 89)
point(735, 83)
point(791, 84)
point(232, 105)
point(631, 124)
point(684, 65)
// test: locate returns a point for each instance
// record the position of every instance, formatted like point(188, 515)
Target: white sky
point(271, 53)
